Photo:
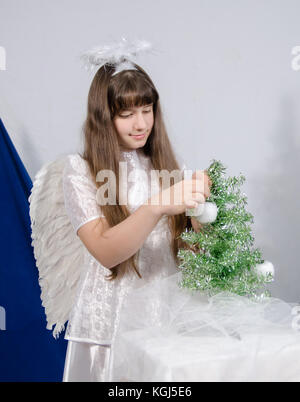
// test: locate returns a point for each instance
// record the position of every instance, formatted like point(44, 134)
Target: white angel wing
point(58, 251)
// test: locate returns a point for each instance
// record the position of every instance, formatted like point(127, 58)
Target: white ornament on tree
point(204, 213)
point(265, 268)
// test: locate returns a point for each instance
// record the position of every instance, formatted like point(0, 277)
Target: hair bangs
point(134, 92)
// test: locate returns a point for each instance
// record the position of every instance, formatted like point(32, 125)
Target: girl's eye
point(127, 115)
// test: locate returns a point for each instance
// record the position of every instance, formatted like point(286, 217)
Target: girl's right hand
point(185, 194)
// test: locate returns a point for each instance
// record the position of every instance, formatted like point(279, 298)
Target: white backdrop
point(227, 84)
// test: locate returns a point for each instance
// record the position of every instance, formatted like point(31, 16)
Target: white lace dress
point(95, 316)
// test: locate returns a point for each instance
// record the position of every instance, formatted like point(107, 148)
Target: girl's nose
point(139, 122)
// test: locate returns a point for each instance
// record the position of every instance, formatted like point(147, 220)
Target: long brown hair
point(108, 95)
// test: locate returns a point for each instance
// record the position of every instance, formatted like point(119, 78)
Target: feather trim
point(58, 252)
point(114, 53)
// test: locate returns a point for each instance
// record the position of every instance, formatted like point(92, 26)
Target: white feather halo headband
point(119, 54)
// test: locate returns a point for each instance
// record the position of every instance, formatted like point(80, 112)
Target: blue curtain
point(28, 351)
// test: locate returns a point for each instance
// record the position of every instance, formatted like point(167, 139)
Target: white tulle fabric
point(172, 334)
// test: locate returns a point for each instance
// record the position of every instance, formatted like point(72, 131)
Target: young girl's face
point(134, 126)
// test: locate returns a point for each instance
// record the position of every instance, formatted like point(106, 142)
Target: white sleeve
point(79, 192)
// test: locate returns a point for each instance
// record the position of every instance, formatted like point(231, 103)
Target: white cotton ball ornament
point(265, 268)
point(205, 213)
point(209, 214)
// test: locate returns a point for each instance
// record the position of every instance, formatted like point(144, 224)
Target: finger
point(198, 174)
point(198, 185)
point(190, 204)
point(199, 197)
point(209, 181)
point(207, 192)
point(194, 201)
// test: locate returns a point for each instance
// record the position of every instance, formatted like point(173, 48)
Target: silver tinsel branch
point(226, 257)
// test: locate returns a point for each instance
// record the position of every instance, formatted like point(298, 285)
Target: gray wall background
point(227, 85)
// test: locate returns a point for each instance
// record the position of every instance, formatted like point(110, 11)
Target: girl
point(126, 246)
point(105, 267)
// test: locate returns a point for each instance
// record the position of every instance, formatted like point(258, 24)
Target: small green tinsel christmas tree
point(226, 258)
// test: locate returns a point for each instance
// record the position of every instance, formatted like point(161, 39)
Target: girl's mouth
point(138, 137)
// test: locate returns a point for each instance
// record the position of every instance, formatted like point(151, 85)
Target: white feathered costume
point(59, 253)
